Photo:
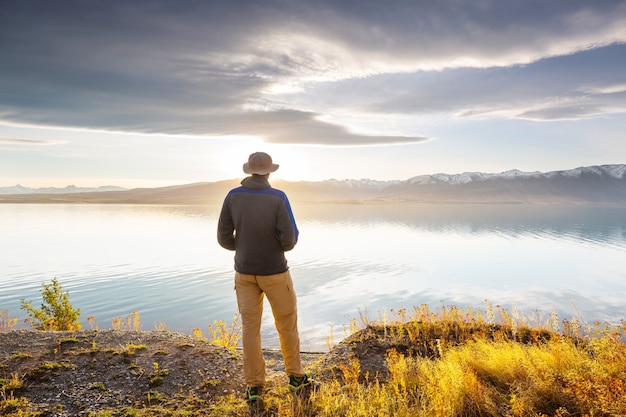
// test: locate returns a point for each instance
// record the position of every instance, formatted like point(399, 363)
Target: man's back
point(257, 222)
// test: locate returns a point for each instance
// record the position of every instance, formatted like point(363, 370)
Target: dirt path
point(79, 372)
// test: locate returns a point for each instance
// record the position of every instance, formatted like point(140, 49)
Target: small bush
point(224, 334)
point(56, 313)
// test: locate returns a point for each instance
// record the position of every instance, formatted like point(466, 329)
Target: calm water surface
point(164, 262)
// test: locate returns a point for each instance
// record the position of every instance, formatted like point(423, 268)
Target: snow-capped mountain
point(602, 184)
point(612, 171)
point(362, 183)
point(595, 184)
point(70, 189)
point(466, 177)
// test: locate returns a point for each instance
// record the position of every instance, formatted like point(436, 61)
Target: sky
point(151, 93)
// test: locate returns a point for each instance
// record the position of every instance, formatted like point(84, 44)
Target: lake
point(351, 260)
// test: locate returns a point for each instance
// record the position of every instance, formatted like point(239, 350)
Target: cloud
point(565, 112)
point(604, 88)
point(289, 126)
point(275, 69)
point(582, 85)
point(28, 142)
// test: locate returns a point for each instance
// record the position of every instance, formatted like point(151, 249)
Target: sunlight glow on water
point(164, 262)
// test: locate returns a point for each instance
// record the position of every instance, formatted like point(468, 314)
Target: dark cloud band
point(203, 67)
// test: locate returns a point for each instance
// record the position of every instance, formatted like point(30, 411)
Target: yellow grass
point(453, 363)
point(480, 363)
point(507, 369)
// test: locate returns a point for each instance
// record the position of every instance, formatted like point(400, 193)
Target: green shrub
point(56, 313)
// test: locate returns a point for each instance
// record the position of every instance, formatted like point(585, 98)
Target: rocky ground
point(75, 373)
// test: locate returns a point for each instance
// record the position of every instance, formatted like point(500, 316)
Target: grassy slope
point(450, 362)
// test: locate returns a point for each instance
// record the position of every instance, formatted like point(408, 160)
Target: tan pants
point(250, 290)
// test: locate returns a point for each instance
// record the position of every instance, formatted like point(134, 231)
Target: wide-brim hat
point(259, 163)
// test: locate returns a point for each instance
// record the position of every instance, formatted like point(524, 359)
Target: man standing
point(256, 222)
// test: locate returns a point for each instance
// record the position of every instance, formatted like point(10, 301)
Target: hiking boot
point(297, 383)
point(253, 394)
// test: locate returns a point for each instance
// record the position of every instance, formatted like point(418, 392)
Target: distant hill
point(198, 193)
point(604, 184)
point(70, 189)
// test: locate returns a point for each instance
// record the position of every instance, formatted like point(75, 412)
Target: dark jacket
point(256, 222)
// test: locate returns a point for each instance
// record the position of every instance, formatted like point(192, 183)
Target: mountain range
point(602, 184)
point(70, 189)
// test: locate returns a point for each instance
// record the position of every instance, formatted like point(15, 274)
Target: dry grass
point(7, 323)
point(449, 362)
point(489, 362)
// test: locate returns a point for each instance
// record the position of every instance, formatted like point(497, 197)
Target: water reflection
point(164, 262)
point(582, 223)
